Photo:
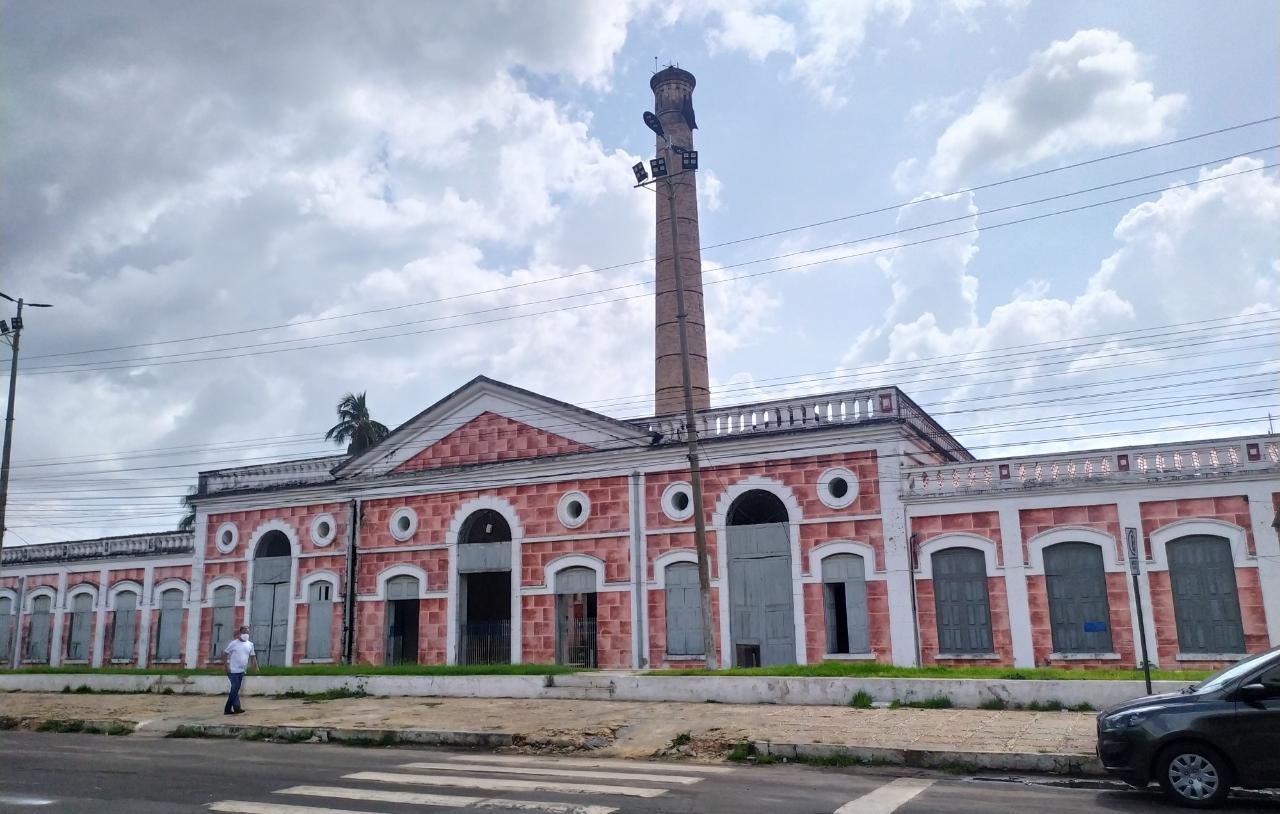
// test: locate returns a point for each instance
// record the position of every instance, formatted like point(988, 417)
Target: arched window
point(684, 610)
point(1075, 580)
point(223, 620)
point(123, 626)
point(844, 598)
point(485, 526)
point(962, 602)
point(80, 635)
point(757, 507)
point(38, 632)
point(169, 626)
point(1206, 606)
point(6, 628)
point(274, 543)
point(320, 620)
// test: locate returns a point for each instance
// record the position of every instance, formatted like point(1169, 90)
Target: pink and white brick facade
point(591, 501)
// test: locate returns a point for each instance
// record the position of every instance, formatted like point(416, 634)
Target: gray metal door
point(1079, 616)
point(223, 621)
point(80, 636)
point(6, 630)
point(269, 609)
point(961, 601)
point(169, 627)
point(38, 632)
point(844, 588)
point(122, 626)
point(760, 605)
point(320, 621)
point(684, 610)
point(1206, 606)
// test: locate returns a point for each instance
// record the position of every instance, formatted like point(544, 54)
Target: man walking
point(237, 655)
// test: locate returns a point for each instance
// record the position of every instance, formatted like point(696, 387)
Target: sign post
point(1131, 543)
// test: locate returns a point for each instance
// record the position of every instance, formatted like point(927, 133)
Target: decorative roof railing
point(1199, 460)
point(810, 412)
point(282, 473)
point(163, 544)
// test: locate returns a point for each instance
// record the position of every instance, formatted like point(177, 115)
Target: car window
point(1271, 680)
point(1224, 677)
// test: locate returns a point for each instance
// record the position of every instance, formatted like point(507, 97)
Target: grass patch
point(958, 767)
point(845, 669)
point(185, 731)
point(275, 736)
point(385, 739)
point(83, 689)
point(73, 725)
point(936, 702)
point(1083, 706)
point(114, 728)
point(682, 739)
point(746, 752)
point(994, 704)
point(861, 700)
point(1052, 705)
point(327, 695)
point(330, 670)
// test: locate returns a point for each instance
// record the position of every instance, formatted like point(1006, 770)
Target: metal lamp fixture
point(642, 174)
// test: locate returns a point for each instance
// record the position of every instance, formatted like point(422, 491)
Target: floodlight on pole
point(658, 166)
point(642, 174)
point(689, 160)
point(651, 122)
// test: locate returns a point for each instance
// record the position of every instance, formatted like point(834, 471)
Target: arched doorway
point(761, 620)
point(269, 602)
point(484, 589)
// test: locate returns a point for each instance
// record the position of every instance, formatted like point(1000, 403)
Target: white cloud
point(834, 33)
point(756, 35)
point(1086, 92)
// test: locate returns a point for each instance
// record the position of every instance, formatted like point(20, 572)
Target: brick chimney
point(673, 104)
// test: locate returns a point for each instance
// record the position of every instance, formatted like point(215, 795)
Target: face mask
point(244, 637)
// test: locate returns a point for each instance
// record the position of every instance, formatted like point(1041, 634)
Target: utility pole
point(689, 162)
point(12, 332)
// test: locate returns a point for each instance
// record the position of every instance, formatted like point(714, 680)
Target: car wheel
point(1194, 775)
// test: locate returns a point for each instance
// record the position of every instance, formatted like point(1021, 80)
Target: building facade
point(503, 526)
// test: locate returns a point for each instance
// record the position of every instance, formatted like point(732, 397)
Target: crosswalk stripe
point(445, 800)
point(598, 763)
point(503, 784)
point(888, 798)
point(246, 807)
point(554, 771)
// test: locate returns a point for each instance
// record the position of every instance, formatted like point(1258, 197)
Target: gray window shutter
point(576, 580)
point(6, 629)
point(223, 622)
point(684, 610)
point(402, 587)
point(1206, 606)
point(38, 633)
point(169, 628)
point(961, 601)
point(81, 628)
point(848, 570)
point(319, 620)
point(1079, 614)
point(122, 626)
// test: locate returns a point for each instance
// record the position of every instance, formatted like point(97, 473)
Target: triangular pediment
point(487, 421)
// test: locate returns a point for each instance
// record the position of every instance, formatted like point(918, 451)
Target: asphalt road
point(141, 775)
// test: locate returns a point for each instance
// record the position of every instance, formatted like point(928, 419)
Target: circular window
point(226, 537)
point(677, 501)
point(323, 529)
point(574, 509)
point(403, 523)
point(837, 488)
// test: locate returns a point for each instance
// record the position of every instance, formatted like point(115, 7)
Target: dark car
point(1198, 743)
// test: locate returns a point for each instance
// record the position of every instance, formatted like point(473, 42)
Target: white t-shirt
point(238, 654)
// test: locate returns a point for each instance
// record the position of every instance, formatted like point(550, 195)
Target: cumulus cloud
point(834, 33)
point(1089, 91)
point(755, 34)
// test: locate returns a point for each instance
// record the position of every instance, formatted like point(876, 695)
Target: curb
point(362, 737)
point(1045, 763)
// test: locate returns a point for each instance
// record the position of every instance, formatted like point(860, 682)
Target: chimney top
point(672, 74)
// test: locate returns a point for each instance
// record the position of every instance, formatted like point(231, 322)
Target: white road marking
point(11, 800)
point(445, 800)
point(246, 807)
point(503, 784)
point(553, 771)
point(598, 763)
point(888, 798)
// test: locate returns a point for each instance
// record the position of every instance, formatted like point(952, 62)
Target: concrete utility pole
point(673, 89)
point(12, 332)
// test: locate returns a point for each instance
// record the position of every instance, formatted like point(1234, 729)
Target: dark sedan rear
point(1200, 742)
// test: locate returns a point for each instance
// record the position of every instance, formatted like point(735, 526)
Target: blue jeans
point(233, 697)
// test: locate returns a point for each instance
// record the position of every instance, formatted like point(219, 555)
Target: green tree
point(188, 521)
point(355, 427)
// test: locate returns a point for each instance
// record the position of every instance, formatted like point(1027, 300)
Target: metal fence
point(578, 643)
point(486, 642)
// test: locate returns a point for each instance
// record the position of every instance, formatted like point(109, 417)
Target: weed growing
point(861, 700)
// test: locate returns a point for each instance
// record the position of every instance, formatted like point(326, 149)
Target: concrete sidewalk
point(1003, 740)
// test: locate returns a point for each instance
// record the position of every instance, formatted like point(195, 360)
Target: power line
point(865, 213)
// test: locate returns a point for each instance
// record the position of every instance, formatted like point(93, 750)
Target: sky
point(242, 211)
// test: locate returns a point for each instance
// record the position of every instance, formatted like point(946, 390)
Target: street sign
point(1131, 542)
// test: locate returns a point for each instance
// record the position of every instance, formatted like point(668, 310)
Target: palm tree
point(188, 521)
point(355, 428)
